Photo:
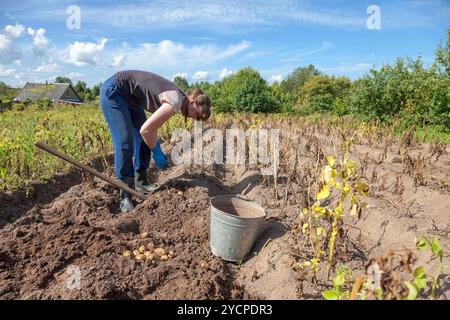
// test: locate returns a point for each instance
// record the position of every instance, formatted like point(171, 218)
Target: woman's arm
point(150, 127)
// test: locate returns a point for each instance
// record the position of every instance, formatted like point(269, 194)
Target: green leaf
point(412, 291)
point(422, 244)
point(339, 280)
point(420, 283)
point(436, 247)
point(330, 295)
point(419, 272)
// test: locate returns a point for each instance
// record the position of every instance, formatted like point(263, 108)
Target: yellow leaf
point(324, 193)
point(362, 188)
point(354, 209)
point(326, 174)
point(346, 188)
point(321, 231)
point(330, 161)
point(317, 208)
point(337, 185)
point(338, 210)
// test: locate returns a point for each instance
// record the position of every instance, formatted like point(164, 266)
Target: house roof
point(35, 91)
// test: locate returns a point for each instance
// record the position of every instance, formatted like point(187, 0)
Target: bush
point(405, 89)
point(319, 93)
point(244, 91)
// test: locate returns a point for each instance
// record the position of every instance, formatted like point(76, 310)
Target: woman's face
point(193, 111)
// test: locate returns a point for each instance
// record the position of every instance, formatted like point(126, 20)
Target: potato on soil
point(144, 235)
point(142, 249)
point(164, 257)
point(140, 257)
point(127, 253)
point(149, 256)
point(136, 253)
point(160, 251)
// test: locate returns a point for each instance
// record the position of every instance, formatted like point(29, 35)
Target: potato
point(144, 235)
point(171, 254)
point(150, 256)
point(150, 246)
point(180, 193)
point(160, 251)
point(164, 257)
point(142, 249)
point(140, 257)
point(136, 253)
point(127, 253)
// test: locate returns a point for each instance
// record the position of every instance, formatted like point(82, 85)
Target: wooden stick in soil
point(113, 182)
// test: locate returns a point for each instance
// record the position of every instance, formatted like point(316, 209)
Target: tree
point(442, 62)
point(7, 92)
point(87, 96)
point(319, 93)
point(405, 89)
point(181, 83)
point(60, 79)
point(244, 91)
point(95, 91)
point(81, 88)
point(298, 78)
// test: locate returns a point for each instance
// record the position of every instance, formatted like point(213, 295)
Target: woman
point(124, 97)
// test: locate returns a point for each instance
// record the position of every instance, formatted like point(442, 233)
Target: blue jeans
point(124, 123)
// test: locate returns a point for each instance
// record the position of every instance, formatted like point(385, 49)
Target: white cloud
point(4, 72)
point(14, 31)
point(74, 75)
point(214, 14)
point(118, 61)
point(8, 49)
point(200, 75)
point(298, 55)
point(180, 74)
point(40, 42)
point(17, 62)
point(276, 78)
point(225, 73)
point(85, 53)
point(47, 68)
point(173, 55)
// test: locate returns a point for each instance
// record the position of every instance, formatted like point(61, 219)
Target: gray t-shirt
point(148, 90)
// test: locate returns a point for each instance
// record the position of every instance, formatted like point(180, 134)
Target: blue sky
point(207, 40)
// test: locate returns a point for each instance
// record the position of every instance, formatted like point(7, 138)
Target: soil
point(69, 226)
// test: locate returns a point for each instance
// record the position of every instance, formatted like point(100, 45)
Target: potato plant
point(324, 223)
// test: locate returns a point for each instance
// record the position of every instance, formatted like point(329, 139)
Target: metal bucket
point(235, 225)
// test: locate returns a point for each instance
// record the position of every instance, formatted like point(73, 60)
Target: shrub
point(319, 93)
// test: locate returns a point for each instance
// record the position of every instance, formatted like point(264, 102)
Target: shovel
point(104, 177)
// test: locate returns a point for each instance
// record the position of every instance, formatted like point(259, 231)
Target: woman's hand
point(159, 156)
point(149, 132)
point(150, 127)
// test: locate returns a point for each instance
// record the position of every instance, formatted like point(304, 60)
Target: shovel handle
point(104, 177)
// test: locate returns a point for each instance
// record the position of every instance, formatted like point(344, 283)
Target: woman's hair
point(203, 102)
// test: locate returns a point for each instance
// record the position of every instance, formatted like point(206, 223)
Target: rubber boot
point(141, 183)
point(126, 203)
